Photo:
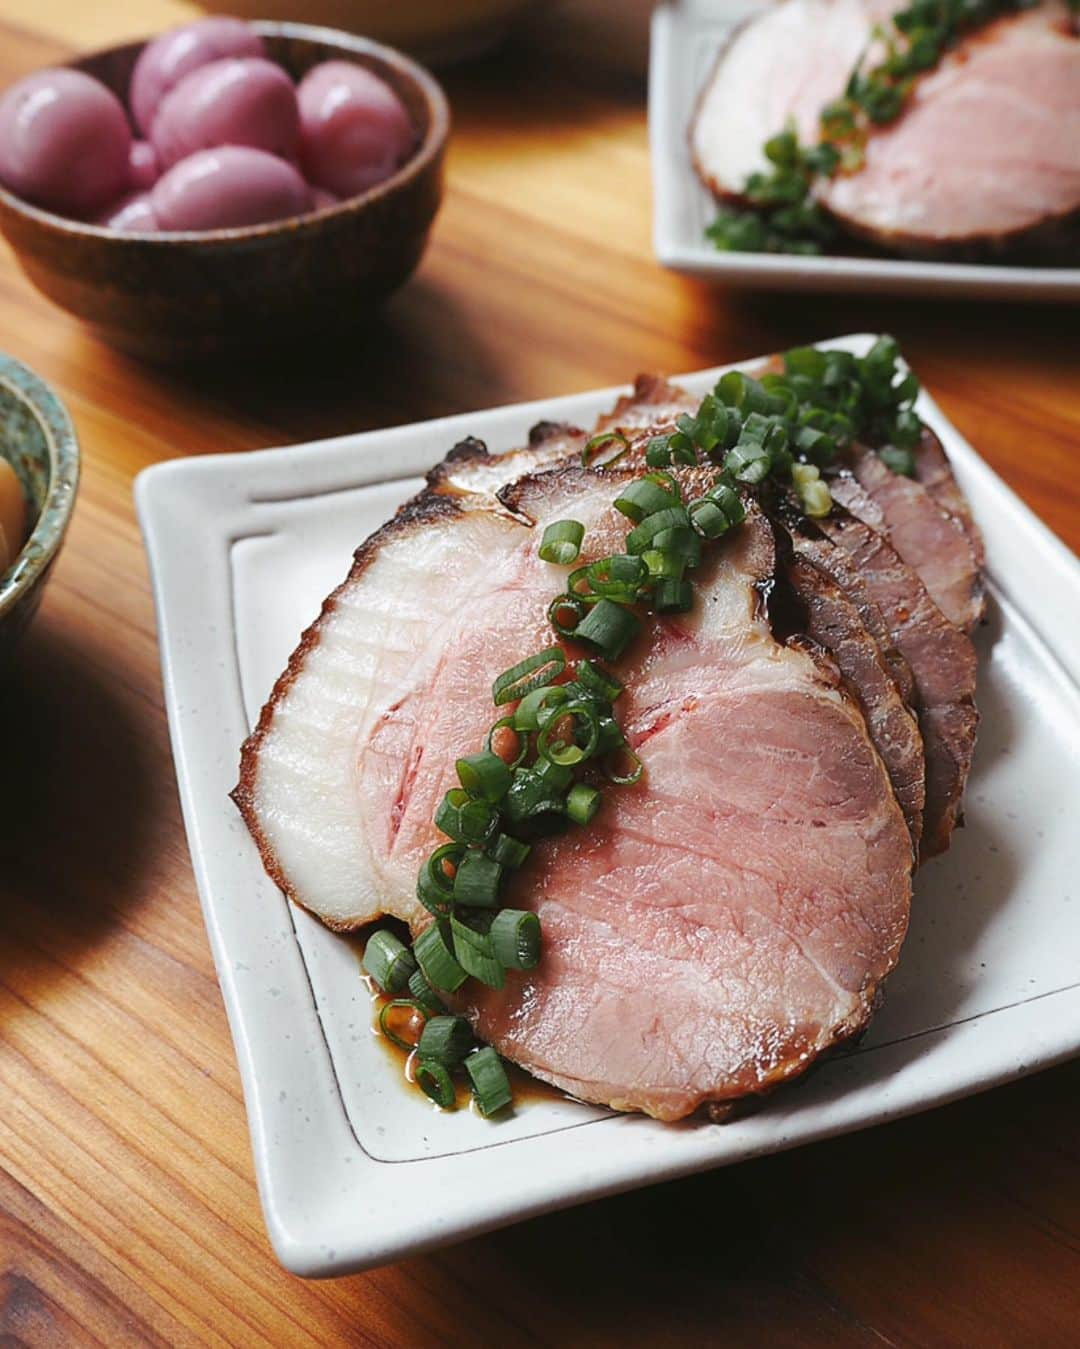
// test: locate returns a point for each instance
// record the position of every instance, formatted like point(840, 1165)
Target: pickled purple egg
point(354, 130)
point(64, 142)
point(163, 63)
point(143, 167)
point(133, 212)
point(226, 188)
point(247, 101)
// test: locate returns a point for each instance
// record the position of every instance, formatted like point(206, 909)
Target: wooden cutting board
point(129, 1213)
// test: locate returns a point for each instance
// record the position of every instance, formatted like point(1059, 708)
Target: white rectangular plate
point(354, 1169)
point(686, 37)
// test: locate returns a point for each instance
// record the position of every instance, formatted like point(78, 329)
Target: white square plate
point(686, 36)
point(354, 1168)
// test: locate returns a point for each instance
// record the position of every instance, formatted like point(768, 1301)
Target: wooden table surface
point(129, 1212)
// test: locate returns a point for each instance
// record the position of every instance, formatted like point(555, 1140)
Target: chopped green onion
point(608, 628)
point(477, 881)
point(508, 724)
point(728, 500)
point(535, 707)
point(528, 674)
point(476, 954)
point(673, 597)
point(435, 1082)
point(596, 679)
point(388, 960)
point(566, 752)
point(682, 541)
point(900, 461)
point(660, 563)
point(515, 934)
point(616, 762)
point(617, 577)
point(643, 496)
point(434, 955)
point(509, 852)
point(385, 1015)
point(595, 444)
point(611, 735)
point(530, 796)
point(582, 803)
point(709, 519)
point(445, 1040)
point(639, 539)
point(434, 888)
point(423, 994)
point(561, 543)
point(491, 1086)
point(464, 819)
point(484, 775)
point(658, 452)
point(558, 776)
point(565, 612)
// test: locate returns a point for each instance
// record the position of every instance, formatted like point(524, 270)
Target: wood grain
point(128, 1212)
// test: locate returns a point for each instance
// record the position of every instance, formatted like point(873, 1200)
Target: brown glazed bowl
point(181, 296)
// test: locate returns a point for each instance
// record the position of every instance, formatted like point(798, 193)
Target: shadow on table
point(78, 796)
point(421, 355)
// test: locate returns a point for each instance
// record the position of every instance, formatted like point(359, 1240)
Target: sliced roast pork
point(834, 621)
point(984, 158)
point(719, 925)
point(933, 470)
point(926, 537)
point(942, 660)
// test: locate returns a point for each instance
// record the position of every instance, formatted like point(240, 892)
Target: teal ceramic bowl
point(38, 440)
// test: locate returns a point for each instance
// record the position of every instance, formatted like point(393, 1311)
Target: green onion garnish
point(565, 612)
point(709, 518)
point(596, 679)
point(673, 597)
point(640, 538)
point(608, 628)
point(537, 706)
point(624, 768)
point(386, 1013)
point(509, 852)
point(423, 994)
point(557, 776)
point(491, 1086)
point(583, 735)
point(618, 577)
point(503, 726)
point(530, 796)
point(475, 953)
point(561, 543)
point(515, 935)
point(435, 1082)
point(528, 674)
point(434, 888)
point(388, 961)
point(900, 461)
point(484, 775)
point(660, 563)
point(463, 818)
point(643, 496)
point(435, 957)
point(445, 1040)
point(596, 444)
point(582, 803)
point(476, 884)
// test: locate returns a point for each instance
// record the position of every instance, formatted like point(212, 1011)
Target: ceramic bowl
point(38, 440)
point(183, 295)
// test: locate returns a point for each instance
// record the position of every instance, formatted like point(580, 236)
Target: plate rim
point(189, 505)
